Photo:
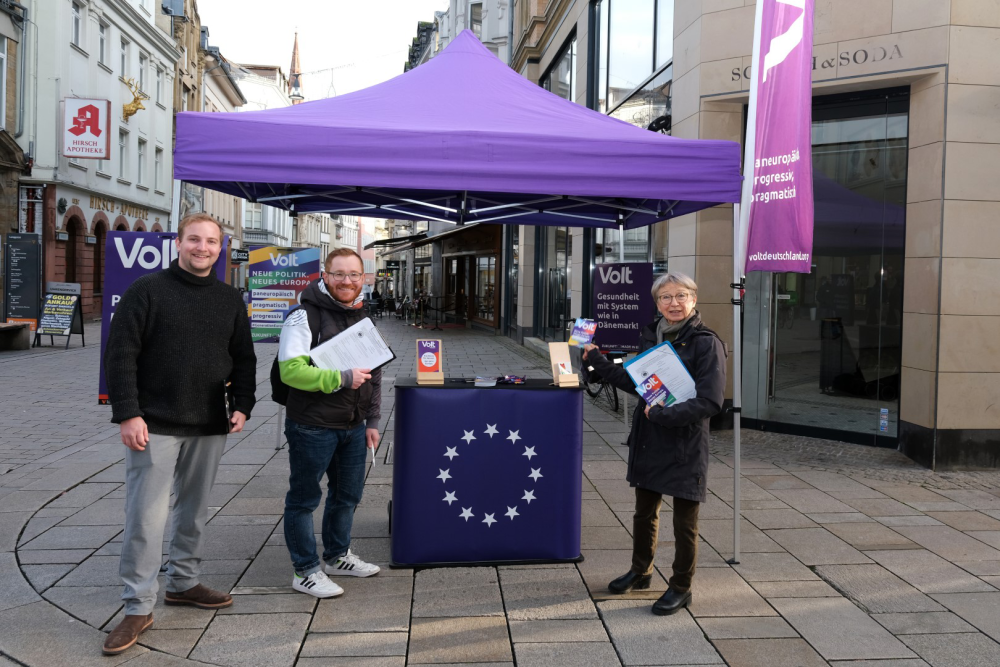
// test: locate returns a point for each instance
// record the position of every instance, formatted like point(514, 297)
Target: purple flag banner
point(777, 212)
point(127, 257)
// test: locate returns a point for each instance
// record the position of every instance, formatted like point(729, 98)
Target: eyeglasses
point(682, 297)
point(340, 276)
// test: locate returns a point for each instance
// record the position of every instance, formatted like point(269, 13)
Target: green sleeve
point(297, 372)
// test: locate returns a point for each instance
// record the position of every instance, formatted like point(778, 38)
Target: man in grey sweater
point(177, 338)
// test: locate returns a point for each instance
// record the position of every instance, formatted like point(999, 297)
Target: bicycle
point(595, 385)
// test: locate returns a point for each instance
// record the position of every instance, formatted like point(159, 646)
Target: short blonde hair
point(675, 278)
point(201, 216)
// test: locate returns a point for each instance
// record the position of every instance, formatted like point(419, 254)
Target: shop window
point(650, 106)
point(630, 46)
point(556, 255)
point(664, 32)
point(561, 77)
point(485, 287)
point(607, 245)
point(513, 252)
point(634, 40)
point(828, 344)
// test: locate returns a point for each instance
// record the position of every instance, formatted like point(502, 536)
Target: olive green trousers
point(645, 529)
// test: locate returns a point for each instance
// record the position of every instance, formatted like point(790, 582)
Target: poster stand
point(562, 367)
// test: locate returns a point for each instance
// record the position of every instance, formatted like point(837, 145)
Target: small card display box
point(429, 362)
point(562, 368)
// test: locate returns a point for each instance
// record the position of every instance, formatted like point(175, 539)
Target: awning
point(430, 239)
point(395, 241)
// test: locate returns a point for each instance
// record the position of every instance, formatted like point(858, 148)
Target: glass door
point(558, 256)
point(485, 306)
point(829, 343)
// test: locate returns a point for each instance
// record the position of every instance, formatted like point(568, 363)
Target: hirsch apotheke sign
point(86, 129)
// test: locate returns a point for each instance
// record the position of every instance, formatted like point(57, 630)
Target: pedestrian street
point(850, 556)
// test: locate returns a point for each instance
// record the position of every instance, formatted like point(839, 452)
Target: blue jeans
point(312, 452)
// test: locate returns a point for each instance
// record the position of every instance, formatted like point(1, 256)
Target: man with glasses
point(332, 417)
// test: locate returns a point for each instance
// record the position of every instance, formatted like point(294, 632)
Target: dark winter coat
point(668, 451)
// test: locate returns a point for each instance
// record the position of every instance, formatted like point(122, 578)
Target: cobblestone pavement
point(850, 555)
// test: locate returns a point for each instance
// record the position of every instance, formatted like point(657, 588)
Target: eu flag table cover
point(485, 475)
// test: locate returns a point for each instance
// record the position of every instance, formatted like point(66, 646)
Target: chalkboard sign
point(61, 316)
point(22, 278)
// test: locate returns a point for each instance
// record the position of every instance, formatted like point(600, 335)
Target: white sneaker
point(350, 565)
point(316, 584)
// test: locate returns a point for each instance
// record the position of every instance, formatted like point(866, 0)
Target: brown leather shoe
point(202, 597)
point(124, 636)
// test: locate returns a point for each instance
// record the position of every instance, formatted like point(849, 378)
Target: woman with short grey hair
point(668, 446)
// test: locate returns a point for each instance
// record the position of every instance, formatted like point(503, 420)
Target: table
point(486, 475)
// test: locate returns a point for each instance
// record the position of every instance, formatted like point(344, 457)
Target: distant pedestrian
point(177, 338)
point(668, 446)
point(333, 417)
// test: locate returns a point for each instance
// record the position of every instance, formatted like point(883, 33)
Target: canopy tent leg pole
point(621, 238)
point(621, 260)
point(737, 286)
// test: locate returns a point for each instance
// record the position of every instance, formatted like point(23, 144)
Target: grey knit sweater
point(175, 340)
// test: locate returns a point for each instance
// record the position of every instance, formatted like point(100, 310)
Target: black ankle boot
point(671, 602)
point(630, 581)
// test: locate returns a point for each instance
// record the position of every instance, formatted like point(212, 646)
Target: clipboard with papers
point(361, 345)
point(660, 376)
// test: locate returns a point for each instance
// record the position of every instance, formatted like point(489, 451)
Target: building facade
point(489, 20)
point(12, 165)
point(109, 50)
point(884, 342)
point(307, 230)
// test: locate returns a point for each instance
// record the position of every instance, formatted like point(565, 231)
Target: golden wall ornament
point(130, 109)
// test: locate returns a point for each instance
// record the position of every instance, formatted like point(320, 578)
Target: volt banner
point(127, 257)
point(277, 277)
point(776, 215)
point(623, 304)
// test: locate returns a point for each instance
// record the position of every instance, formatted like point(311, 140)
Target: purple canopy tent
point(462, 138)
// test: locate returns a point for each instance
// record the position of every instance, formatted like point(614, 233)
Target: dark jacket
point(668, 452)
point(345, 408)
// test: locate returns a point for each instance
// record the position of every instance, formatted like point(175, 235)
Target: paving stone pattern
point(850, 556)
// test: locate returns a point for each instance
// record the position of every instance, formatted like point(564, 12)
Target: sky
point(355, 44)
